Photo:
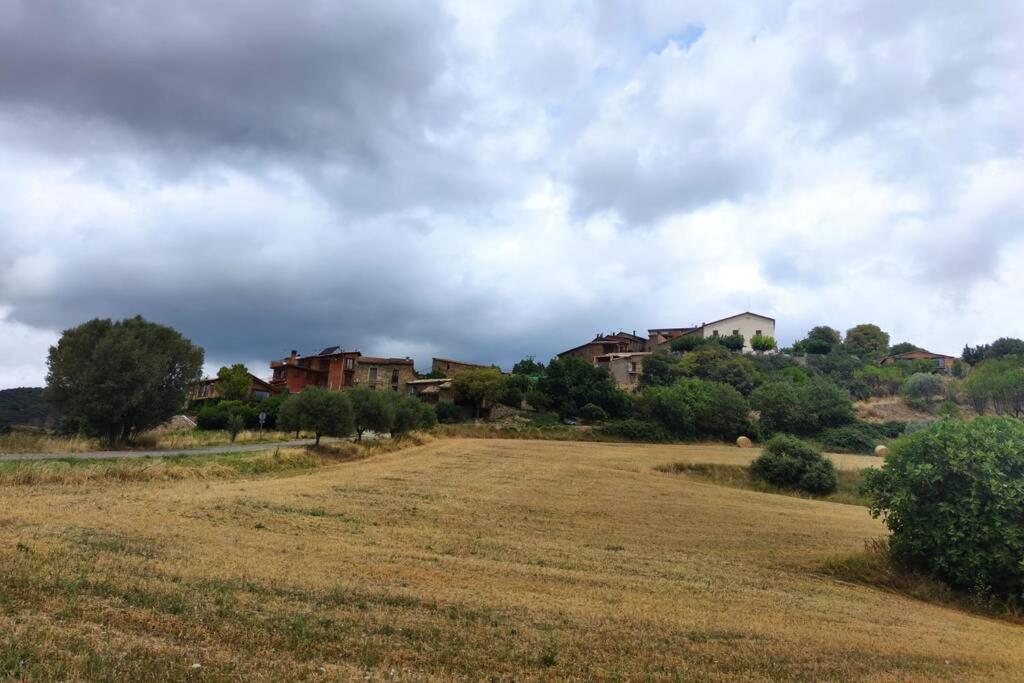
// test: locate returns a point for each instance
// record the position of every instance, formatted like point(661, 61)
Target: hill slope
point(460, 559)
point(23, 406)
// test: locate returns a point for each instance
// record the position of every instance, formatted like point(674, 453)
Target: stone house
point(625, 368)
point(336, 369)
point(603, 344)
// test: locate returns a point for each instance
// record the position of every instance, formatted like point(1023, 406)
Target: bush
point(854, 438)
point(953, 497)
point(592, 414)
point(693, 408)
point(762, 342)
point(788, 462)
point(922, 386)
point(408, 414)
point(635, 430)
point(448, 413)
point(806, 408)
point(4, 428)
point(733, 342)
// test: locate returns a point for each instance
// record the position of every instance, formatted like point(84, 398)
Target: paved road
point(107, 455)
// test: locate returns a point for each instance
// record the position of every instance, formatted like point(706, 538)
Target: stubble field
point(464, 558)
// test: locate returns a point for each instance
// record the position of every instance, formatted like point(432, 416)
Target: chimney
point(291, 358)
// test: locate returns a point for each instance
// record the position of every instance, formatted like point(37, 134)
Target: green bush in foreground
point(788, 462)
point(953, 497)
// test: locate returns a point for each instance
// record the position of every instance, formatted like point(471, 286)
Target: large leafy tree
point(528, 366)
point(325, 413)
point(233, 383)
point(571, 383)
point(479, 387)
point(867, 340)
point(371, 410)
point(953, 498)
point(118, 379)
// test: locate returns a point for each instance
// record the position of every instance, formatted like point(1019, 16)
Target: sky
point(487, 181)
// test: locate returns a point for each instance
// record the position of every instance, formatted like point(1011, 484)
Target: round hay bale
point(881, 451)
point(743, 442)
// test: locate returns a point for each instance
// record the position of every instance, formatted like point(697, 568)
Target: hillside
point(464, 559)
point(23, 406)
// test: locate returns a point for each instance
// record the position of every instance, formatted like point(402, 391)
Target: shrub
point(691, 408)
point(409, 414)
point(788, 462)
point(762, 342)
point(806, 408)
point(922, 386)
point(592, 414)
point(635, 430)
point(447, 412)
point(688, 342)
point(733, 342)
point(853, 438)
point(5, 428)
point(236, 423)
point(953, 497)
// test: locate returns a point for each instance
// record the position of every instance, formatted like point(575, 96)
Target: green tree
point(867, 340)
point(571, 383)
point(825, 334)
point(923, 386)
point(688, 342)
point(953, 499)
point(289, 418)
point(903, 347)
point(479, 387)
point(410, 414)
point(1005, 346)
point(733, 342)
point(371, 410)
point(119, 379)
point(805, 408)
point(233, 383)
point(692, 407)
point(714, 363)
point(325, 413)
point(762, 343)
point(659, 370)
point(529, 367)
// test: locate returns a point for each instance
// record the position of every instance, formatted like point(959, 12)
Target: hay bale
point(881, 451)
point(743, 442)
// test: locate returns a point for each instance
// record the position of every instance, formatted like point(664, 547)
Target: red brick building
point(336, 369)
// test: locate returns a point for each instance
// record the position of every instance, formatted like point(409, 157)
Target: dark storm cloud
point(348, 92)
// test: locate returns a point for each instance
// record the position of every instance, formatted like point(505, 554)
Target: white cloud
point(488, 182)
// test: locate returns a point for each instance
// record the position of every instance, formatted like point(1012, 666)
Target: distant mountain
point(23, 406)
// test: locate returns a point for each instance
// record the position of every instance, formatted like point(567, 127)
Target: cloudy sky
point(490, 180)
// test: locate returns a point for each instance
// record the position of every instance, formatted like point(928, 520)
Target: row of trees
point(337, 413)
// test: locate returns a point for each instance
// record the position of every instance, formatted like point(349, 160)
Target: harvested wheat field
point(464, 559)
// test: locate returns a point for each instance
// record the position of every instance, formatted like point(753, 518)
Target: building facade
point(336, 369)
point(625, 368)
point(603, 344)
point(943, 363)
point(206, 389)
point(450, 367)
point(747, 324)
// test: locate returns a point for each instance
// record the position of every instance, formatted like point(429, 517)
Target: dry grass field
point(463, 558)
point(20, 441)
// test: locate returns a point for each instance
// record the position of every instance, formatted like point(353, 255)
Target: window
point(715, 333)
point(757, 333)
point(394, 375)
point(348, 363)
point(735, 333)
point(632, 367)
point(373, 374)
